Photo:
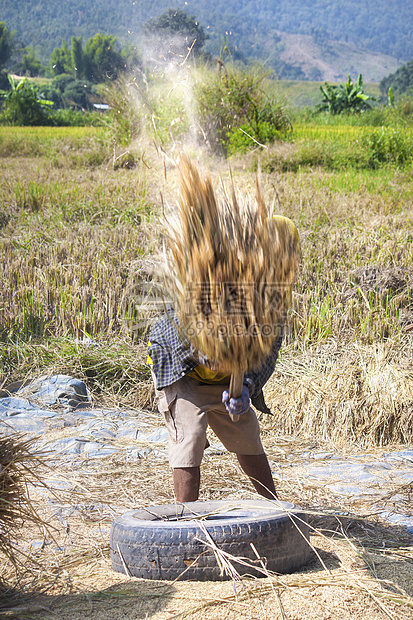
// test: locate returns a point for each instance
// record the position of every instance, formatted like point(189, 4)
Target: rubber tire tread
point(147, 549)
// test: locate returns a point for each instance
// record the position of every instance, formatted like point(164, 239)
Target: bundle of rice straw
point(19, 465)
point(230, 270)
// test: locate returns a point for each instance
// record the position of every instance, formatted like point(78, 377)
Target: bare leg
point(258, 470)
point(186, 483)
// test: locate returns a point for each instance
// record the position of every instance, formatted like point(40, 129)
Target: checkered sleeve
point(171, 354)
point(257, 378)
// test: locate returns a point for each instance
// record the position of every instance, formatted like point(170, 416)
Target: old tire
point(161, 542)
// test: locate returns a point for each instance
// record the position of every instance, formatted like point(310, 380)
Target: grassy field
point(307, 94)
point(78, 221)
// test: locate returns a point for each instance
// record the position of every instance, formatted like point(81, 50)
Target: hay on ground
point(363, 395)
point(19, 464)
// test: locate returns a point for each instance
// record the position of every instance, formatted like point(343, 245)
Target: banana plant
point(330, 101)
point(23, 104)
point(347, 97)
point(16, 86)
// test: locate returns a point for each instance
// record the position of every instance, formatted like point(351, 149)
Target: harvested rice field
point(80, 241)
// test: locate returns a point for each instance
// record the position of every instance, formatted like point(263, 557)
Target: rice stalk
point(358, 394)
point(19, 465)
point(229, 271)
point(226, 567)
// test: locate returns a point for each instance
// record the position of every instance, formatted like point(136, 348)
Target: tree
point(401, 80)
point(348, 97)
point(6, 44)
point(132, 57)
point(30, 65)
point(78, 57)
point(61, 60)
point(77, 94)
point(102, 60)
point(174, 33)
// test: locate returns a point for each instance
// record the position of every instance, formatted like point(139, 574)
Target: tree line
point(379, 25)
point(76, 70)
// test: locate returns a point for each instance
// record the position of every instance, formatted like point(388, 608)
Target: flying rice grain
point(230, 268)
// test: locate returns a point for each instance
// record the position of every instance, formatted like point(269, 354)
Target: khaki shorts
point(188, 407)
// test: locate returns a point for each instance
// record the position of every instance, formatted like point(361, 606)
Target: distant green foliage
point(348, 97)
point(102, 60)
point(78, 57)
point(378, 25)
point(61, 60)
point(99, 61)
point(68, 92)
point(61, 82)
point(171, 36)
point(389, 145)
point(234, 104)
point(401, 81)
point(6, 44)
point(77, 94)
point(30, 65)
point(176, 22)
point(23, 105)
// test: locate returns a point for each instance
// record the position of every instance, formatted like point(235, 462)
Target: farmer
point(191, 396)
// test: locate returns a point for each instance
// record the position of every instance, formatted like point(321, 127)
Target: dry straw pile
point(230, 270)
point(363, 394)
point(19, 466)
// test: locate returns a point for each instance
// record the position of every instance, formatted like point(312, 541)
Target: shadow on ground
point(134, 600)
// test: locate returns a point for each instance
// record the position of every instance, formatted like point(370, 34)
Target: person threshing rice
point(230, 271)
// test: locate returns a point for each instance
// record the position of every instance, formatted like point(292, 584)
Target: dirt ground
point(345, 588)
point(362, 568)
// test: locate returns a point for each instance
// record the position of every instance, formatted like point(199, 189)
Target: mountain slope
point(251, 28)
point(335, 61)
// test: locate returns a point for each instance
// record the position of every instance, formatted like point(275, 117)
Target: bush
point(62, 81)
point(123, 121)
point(234, 103)
point(74, 118)
point(24, 106)
point(77, 94)
point(53, 94)
point(389, 146)
point(242, 139)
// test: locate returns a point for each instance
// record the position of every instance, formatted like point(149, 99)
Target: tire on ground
point(167, 542)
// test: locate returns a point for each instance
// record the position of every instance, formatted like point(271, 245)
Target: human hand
point(237, 406)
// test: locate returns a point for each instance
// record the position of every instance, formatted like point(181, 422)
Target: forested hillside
point(247, 27)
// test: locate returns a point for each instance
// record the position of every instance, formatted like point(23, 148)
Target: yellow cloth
point(206, 375)
point(149, 359)
point(201, 373)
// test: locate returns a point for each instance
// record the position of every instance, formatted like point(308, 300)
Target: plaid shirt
point(173, 357)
